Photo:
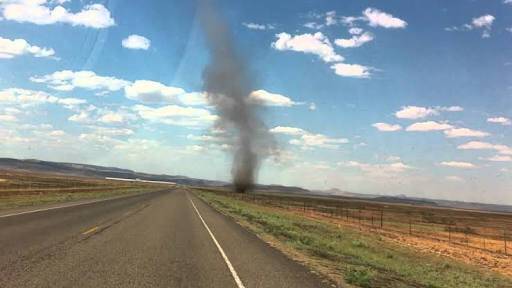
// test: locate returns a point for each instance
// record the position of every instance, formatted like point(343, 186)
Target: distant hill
point(85, 170)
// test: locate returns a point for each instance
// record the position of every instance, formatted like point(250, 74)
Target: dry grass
point(20, 188)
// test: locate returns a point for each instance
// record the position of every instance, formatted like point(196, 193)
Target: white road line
point(60, 207)
point(230, 266)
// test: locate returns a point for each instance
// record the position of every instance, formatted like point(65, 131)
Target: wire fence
point(470, 229)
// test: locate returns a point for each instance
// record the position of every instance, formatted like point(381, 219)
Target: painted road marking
point(53, 208)
point(64, 206)
point(93, 229)
point(230, 266)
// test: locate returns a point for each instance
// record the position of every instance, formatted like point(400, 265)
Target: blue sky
point(383, 97)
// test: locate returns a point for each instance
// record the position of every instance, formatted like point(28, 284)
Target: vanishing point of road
point(160, 239)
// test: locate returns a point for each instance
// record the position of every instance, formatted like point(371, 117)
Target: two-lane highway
point(161, 239)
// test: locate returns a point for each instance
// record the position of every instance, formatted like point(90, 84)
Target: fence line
point(465, 236)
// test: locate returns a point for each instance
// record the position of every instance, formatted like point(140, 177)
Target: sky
point(383, 97)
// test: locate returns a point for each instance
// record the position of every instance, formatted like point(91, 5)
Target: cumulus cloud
point(483, 23)
point(454, 178)
point(385, 127)
point(176, 115)
point(352, 70)
point(255, 26)
point(41, 12)
point(355, 41)
point(417, 112)
point(194, 99)
point(377, 18)
point(499, 120)
point(136, 42)
point(112, 117)
point(317, 44)
point(18, 47)
point(378, 170)
point(500, 158)
point(458, 164)
point(151, 92)
point(263, 97)
point(293, 131)
point(307, 140)
point(428, 126)
point(67, 80)
point(478, 145)
point(8, 118)
point(26, 97)
point(464, 132)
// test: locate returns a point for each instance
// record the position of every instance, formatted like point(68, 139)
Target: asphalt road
point(161, 239)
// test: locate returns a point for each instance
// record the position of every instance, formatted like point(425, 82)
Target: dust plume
point(227, 82)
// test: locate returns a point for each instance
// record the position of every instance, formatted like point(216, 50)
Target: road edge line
point(224, 256)
point(73, 205)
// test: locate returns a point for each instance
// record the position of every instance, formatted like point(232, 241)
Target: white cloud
point(26, 97)
point(477, 145)
point(507, 1)
point(312, 106)
point(500, 120)
point(355, 30)
point(17, 47)
point(151, 92)
point(81, 117)
point(428, 126)
point(57, 133)
point(464, 132)
point(500, 158)
point(313, 25)
point(112, 117)
point(385, 127)
point(457, 164)
point(317, 44)
point(483, 22)
point(176, 115)
point(352, 70)
point(194, 99)
point(263, 97)
point(379, 170)
point(255, 26)
point(39, 12)
point(454, 178)
point(330, 18)
point(67, 80)
point(309, 141)
point(377, 18)
point(450, 109)
point(8, 118)
point(112, 132)
point(136, 42)
point(288, 130)
point(355, 41)
point(415, 112)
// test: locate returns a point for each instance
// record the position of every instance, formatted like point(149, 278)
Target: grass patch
point(357, 258)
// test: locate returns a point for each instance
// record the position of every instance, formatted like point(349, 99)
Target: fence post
point(505, 240)
point(372, 220)
point(410, 226)
point(450, 234)
point(359, 218)
point(381, 217)
point(304, 205)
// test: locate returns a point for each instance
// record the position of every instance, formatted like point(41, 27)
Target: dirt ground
point(498, 262)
